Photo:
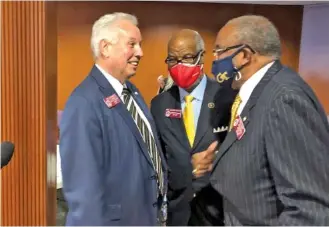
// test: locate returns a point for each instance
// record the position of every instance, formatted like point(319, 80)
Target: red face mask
point(185, 75)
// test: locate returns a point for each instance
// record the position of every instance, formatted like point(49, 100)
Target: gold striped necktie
point(234, 110)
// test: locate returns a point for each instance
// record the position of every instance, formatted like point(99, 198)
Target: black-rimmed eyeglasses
point(187, 59)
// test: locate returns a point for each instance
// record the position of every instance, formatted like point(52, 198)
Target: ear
point(202, 58)
point(246, 57)
point(105, 48)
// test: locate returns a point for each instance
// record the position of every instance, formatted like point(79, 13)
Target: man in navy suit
point(183, 117)
point(113, 169)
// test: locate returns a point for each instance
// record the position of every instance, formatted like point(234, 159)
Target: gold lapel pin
point(211, 105)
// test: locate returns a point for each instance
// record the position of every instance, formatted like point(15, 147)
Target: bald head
point(186, 38)
point(186, 46)
point(256, 31)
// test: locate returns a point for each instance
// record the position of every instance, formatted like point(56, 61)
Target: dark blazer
point(206, 206)
point(108, 177)
point(278, 172)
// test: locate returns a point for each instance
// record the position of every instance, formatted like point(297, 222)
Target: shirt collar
point(117, 86)
point(248, 87)
point(197, 93)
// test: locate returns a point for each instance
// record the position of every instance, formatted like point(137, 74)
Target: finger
point(212, 147)
point(204, 167)
point(200, 173)
point(209, 156)
point(198, 155)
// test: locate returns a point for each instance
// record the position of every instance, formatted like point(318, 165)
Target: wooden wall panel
point(314, 52)
point(28, 111)
point(158, 20)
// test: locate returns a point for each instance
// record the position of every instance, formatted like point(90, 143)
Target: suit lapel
point(176, 125)
point(107, 90)
point(246, 113)
point(140, 102)
point(205, 113)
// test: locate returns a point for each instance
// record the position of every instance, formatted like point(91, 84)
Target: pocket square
point(220, 129)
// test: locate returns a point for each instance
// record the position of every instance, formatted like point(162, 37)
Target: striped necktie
point(147, 137)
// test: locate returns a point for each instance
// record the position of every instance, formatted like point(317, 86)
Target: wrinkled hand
point(202, 161)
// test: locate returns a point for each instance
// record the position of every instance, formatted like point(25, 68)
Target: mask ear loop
point(199, 59)
point(238, 76)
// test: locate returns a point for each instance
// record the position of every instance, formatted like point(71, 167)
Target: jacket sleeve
point(81, 160)
point(298, 153)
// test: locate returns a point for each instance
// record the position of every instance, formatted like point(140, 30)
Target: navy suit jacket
point(192, 201)
point(108, 177)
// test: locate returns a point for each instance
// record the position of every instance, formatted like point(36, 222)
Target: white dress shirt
point(197, 94)
point(118, 87)
point(248, 87)
point(59, 169)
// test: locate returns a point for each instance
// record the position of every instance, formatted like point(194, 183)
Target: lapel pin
point(211, 105)
point(111, 101)
point(244, 118)
point(173, 113)
point(238, 127)
point(136, 93)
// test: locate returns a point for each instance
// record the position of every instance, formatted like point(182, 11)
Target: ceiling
point(246, 2)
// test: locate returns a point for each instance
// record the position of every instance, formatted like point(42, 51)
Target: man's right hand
point(202, 161)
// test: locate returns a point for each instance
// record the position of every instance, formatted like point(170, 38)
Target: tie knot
point(188, 98)
point(125, 91)
point(125, 95)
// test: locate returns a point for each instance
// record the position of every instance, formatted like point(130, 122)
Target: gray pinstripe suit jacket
point(278, 172)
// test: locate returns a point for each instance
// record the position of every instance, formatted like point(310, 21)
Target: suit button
point(155, 204)
point(153, 177)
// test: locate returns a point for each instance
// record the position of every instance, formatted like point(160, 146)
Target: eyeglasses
point(187, 59)
point(219, 51)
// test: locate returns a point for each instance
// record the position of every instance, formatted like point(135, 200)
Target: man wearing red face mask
point(183, 118)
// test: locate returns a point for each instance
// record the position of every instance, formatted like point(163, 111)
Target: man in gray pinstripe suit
point(273, 166)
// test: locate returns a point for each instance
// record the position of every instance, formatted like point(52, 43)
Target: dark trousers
point(62, 209)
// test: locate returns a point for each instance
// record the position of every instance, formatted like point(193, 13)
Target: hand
point(161, 81)
point(202, 161)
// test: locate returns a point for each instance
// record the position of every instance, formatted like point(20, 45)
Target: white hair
point(103, 29)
